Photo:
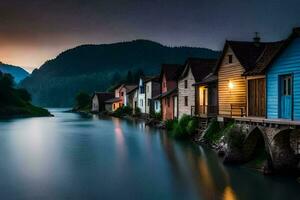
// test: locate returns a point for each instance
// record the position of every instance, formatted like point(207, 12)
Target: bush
point(212, 133)
point(184, 128)
point(82, 100)
point(170, 124)
point(122, 111)
point(156, 115)
point(192, 127)
point(137, 111)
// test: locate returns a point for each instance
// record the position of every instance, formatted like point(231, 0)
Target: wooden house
point(98, 101)
point(206, 97)
point(169, 96)
point(283, 80)
point(241, 90)
point(195, 69)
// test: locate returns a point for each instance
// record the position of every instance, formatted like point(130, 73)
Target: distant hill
point(17, 72)
point(96, 67)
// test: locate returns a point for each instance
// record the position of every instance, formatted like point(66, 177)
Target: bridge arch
point(256, 143)
point(284, 156)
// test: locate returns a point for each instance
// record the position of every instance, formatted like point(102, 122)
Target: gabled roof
point(172, 91)
point(210, 78)
point(151, 78)
point(251, 55)
point(113, 100)
point(104, 95)
point(171, 71)
point(200, 67)
point(132, 88)
point(284, 44)
point(266, 56)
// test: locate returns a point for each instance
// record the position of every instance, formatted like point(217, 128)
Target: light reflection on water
point(75, 156)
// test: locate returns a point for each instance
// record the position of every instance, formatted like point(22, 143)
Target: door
point(204, 101)
point(256, 97)
point(175, 107)
point(286, 87)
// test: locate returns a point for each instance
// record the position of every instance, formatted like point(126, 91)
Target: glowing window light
point(230, 85)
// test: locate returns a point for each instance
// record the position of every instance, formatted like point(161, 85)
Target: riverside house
point(195, 69)
point(132, 96)
point(206, 99)
point(241, 90)
point(169, 96)
point(120, 99)
point(152, 89)
point(283, 80)
point(98, 100)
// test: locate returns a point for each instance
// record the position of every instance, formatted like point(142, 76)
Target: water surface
point(72, 156)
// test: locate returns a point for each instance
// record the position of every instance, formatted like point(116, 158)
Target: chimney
point(296, 30)
point(256, 39)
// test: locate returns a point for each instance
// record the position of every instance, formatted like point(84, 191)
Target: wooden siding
point(186, 92)
point(231, 72)
point(287, 63)
point(168, 109)
point(256, 97)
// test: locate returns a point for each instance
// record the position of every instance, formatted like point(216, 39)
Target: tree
point(129, 78)
point(24, 94)
point(82, 100)
point(6, 82)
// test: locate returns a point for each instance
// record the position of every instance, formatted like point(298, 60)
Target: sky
point(34, 31)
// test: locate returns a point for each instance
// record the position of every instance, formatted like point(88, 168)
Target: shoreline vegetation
point(16, 102)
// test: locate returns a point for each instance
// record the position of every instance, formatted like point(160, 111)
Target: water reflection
point(78, 157)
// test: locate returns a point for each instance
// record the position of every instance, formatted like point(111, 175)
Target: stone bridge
point(281, 143)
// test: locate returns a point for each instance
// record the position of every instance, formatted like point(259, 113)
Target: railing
point(205, 110)
point(238, 110)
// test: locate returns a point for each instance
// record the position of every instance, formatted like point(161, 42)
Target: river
point(72, 156)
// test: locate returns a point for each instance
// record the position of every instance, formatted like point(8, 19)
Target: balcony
point(205, 111)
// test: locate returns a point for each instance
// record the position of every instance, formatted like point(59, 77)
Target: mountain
point(17, 72)
point(96, 67)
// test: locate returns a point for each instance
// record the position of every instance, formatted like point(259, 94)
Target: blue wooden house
point(283, 80)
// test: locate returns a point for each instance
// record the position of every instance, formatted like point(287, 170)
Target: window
point(185, 83)
point(186, 101)
point(141, 102)
point(156, 105)
point(168, 101)
point(122, 93)
point(148, 103)
point(147, 89)
point(114, 105)
point(287, 86)
point(229, 59)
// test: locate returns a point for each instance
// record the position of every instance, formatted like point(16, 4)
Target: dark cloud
point(51, 26)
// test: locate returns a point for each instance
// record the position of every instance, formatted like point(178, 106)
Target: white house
point(152, 89)
point(141, 96)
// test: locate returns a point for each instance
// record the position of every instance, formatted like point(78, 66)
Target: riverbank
point(26, 110)
point(229, 141)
